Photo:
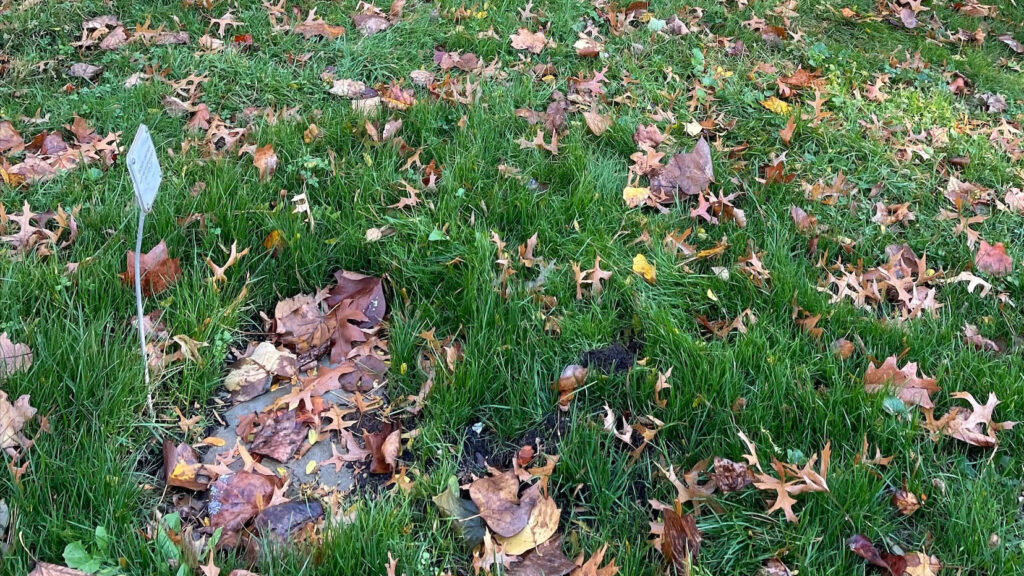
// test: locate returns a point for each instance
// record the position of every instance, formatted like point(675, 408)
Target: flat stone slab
point(328, 475)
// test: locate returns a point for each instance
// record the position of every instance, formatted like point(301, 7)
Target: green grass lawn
point(99, 465)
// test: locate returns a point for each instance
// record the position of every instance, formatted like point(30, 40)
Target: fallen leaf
point(787, 133)
point(14, 357)
point(598, 124)
point(86, 71)
point(541, 526)
point(904, 382)
point(524, 39)
point(253, 373)
point(993, 259)
point(464, 512)
point(974, 426)
point(644, 268)
point(313, 25)
point(281, 435)
point(159, 271)
point(731, 476)
point(906, 503)
point(573, 376)
point(680, 542)
point(181, 466)
point(686, 173)
point(777, 106)
point(497, 497)
point(237, 498)
point(265, 160)
point(547, 560)
point(46, 569)
point(13, 418)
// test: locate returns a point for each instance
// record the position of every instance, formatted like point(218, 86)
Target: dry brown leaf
point(46, 569)
point(905, 383)
point(974, 426)
point(159, 271)
point(497, 497)
point(993, 259)
point(524, 39)
point(265, 160)
point(14, 357)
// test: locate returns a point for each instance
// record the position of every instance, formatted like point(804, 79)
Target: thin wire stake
point(138, 306)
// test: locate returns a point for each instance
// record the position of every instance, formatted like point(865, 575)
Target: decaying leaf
point(685, 174)
point(253, 373)
point(13, 418)
point(464, 512)
point(573, 376)
point(46, 569)
point(524, 39)
point(680, 541)
point(182, 467)
point(497, 497)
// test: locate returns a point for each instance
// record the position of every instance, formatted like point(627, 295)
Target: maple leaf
point(905, 382)
point(993, 259)
point(524, 39)
point(687, 173)
point(158, 270)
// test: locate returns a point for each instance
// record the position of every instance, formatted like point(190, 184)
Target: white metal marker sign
point(144, 168)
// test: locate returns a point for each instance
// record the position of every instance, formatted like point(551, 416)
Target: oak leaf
point(905, 382)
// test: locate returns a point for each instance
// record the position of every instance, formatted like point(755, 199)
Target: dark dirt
point(615, 358)
point(485, 449)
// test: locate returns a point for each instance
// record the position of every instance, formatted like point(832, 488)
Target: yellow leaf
point(312, 436)
point(635, 196)
point(213, 441)
point(644, 268)
point(310, 466)
point(539, 528)
point(712, 295)
point(777, 106)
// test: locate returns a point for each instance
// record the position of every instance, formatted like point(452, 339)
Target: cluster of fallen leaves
point(327, 350)
point(973, 426)
point(513, 524)
point(38, 233)
point(16, 416)
point(49, 153)
point(677, 535)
